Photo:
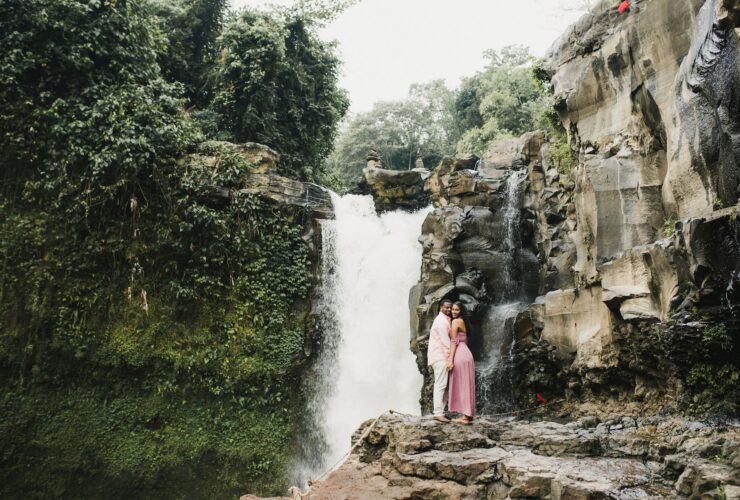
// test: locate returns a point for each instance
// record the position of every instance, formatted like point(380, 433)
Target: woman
point(462, 369)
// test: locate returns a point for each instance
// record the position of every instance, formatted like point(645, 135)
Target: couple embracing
point(454, 368)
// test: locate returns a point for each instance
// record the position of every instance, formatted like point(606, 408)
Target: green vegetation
point(188, 43)
point(560, 153)
point(716, 335)
point(507, 98)
point(152, 335)
point(721, 493)
point(502, 100)
point(715, 378)
point(277, 85)
point(400, 129)
point(669, 228)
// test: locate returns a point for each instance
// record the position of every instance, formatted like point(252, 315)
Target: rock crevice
point(621, 457)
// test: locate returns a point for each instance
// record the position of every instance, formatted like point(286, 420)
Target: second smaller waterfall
point(512, 240)
point(494, 369)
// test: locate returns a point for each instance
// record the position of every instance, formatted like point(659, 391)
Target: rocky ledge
point(621, 457)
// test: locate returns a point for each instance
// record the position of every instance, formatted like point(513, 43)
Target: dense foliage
point(187, 51)
point(714, 378)
point(505, 99)
point(277, 85)
point(158, 347)
point(150, 331)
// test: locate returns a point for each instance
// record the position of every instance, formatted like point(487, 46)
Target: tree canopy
point(398, 130)
point(276, 84)
point(189, 43)
point(85, 111)
point(501, 100)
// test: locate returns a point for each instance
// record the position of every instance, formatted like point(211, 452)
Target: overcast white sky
point(386, 45)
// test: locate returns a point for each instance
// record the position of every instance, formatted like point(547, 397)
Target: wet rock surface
point(619, 457)
point(628, 258)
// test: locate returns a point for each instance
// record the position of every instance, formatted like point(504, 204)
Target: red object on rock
point(542, 400)
point(623, 6)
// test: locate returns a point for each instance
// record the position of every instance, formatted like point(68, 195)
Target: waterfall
point(512, 241)
point(365, 368)
point(494, 371)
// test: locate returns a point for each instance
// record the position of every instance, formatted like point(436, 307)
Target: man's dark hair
point(443, 302)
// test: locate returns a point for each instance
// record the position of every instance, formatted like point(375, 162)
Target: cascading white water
point(366, 367)
point(512, 240)
point(494, 369)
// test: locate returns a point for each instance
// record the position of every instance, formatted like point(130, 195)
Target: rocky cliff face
point(628, 262)
point(651, 102)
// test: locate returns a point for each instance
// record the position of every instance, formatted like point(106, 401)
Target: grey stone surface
point(417, 457)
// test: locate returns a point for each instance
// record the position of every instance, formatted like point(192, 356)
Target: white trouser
point(440, 387)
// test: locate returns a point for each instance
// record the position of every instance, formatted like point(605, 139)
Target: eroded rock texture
point(652, 104)
point(629, 258)
point(620, 457)
point(394, 189)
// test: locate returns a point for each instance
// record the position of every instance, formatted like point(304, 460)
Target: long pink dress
point(462, 379)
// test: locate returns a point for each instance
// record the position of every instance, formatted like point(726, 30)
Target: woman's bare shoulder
point(458, 321)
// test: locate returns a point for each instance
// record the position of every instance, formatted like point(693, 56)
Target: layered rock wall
point(650, 102)
point(630, 247)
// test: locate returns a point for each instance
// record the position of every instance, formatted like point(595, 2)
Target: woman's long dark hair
point(463, 316)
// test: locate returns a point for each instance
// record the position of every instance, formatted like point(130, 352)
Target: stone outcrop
point(311, 201)
point(616, 456)
point(262, 180)
point(394, 189)
point(288, 192)
point(629, 247)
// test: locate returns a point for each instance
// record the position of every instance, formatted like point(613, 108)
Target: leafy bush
point(714, 378)
point(716, 386)
point(669, 228)
point(716, 336)
point(560, 153)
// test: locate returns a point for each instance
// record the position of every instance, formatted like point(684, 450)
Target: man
point(437, 353)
